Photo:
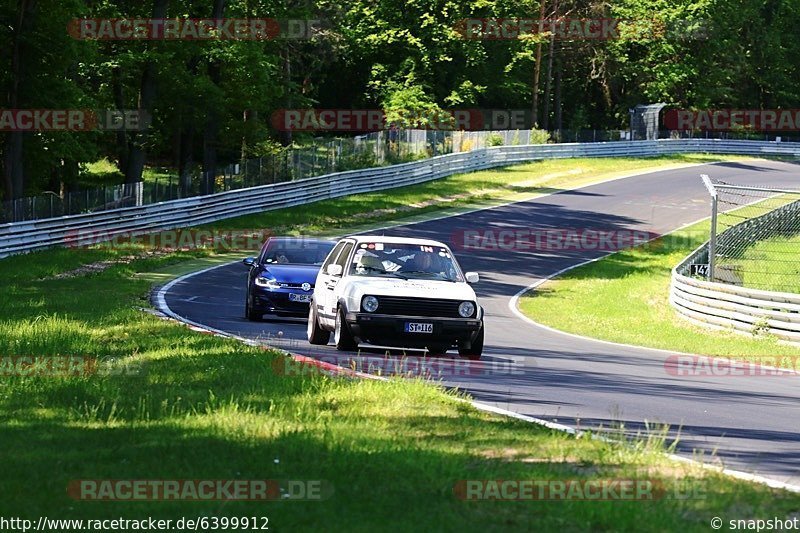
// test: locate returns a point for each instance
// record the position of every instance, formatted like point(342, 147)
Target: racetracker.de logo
point(401, 366)
point(193, 29)
point(546, 240)
point(566, 29)
point(199, 489)
point(575, 490)
point(378, 119)
point(73, 119)
point(63, 366)
point(178, 239)
point(697, 366)
point(733, 119)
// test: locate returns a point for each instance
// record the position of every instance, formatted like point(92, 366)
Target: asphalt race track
point(748, 423)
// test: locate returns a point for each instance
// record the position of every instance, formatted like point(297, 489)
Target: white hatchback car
point(399, 292)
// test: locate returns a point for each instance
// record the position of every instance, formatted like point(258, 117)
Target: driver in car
point(367, 264)
point(430, 263)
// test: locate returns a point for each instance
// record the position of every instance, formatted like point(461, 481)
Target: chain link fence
point(755, 237)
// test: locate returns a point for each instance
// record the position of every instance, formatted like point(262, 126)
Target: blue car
point(281, 279)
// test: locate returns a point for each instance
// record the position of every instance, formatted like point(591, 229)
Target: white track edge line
point(738, 474)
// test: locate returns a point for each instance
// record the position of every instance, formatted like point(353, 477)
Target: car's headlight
point(261, 281)
point(369, 304)
point(466, 309)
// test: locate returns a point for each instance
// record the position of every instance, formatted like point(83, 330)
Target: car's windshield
point(406, 261)
point(296, 252)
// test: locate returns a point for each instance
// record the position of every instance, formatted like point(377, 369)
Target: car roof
point(313, 240)
point(396, 240)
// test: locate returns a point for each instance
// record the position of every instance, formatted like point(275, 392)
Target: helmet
point(367, 262)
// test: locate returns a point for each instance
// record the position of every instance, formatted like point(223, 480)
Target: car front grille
point(429, 307)
point(294, 285)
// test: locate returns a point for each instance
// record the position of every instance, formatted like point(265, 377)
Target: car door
point(322, 289)
point(330, 283)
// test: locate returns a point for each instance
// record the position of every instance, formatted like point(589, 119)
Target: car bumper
point(278, 302)
point(390, 329)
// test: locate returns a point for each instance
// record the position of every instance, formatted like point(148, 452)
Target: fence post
point(314, 157)
point(712, 241)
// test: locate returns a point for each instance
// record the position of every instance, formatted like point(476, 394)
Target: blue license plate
point(418, 327)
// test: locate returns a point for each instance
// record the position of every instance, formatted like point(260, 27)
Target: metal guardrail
point(59, 231)
point(732, 307)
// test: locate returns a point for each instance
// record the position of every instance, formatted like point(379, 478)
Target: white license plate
point(419, 327)
point(305, 298)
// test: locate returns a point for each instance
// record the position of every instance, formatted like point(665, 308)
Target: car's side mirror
point(472, 277)
point(334, 270)
point(249, 261)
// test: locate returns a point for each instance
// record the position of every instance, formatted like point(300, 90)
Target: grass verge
point(769, 264)
point(600, 299)
point(192, 406)
point(184, 405)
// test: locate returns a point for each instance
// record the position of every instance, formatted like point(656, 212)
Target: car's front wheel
point(341, 333)
point(252, 314)
point(475, 349)
point(315, 334)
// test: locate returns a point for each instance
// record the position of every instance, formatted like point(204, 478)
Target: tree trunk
point(248, 116)
point(550, 53)
point(559, 121)
point(121, 135)
point(537, 70)
point(287, 72)
point(186, 160)
point(13, 174)
point(185, 142)
point(12, 166)
point(147, 94)
point(211, 130)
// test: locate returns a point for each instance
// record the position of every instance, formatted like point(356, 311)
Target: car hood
point(413, 288)
point(291, 273)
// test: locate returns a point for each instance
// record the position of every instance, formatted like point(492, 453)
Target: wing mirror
point(334, 270)
point(249, 261)
point(472, 277)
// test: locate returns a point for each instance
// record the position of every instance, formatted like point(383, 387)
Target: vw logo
point(306, 287)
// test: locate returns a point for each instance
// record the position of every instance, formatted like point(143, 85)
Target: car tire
point(315, 334)
point(252, 314)
point(475, 350)
point(341, 333)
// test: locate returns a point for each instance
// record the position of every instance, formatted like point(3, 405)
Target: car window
point(295, 252)
point(342, 259)
point(405, 261)
point(333, 255)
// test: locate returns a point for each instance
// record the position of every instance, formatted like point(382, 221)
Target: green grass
point(105, 172)
point(193, 406)
point(625, 298)
point(770, 264)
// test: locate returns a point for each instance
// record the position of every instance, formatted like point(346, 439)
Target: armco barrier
point(34, 235)
point(733, 307)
